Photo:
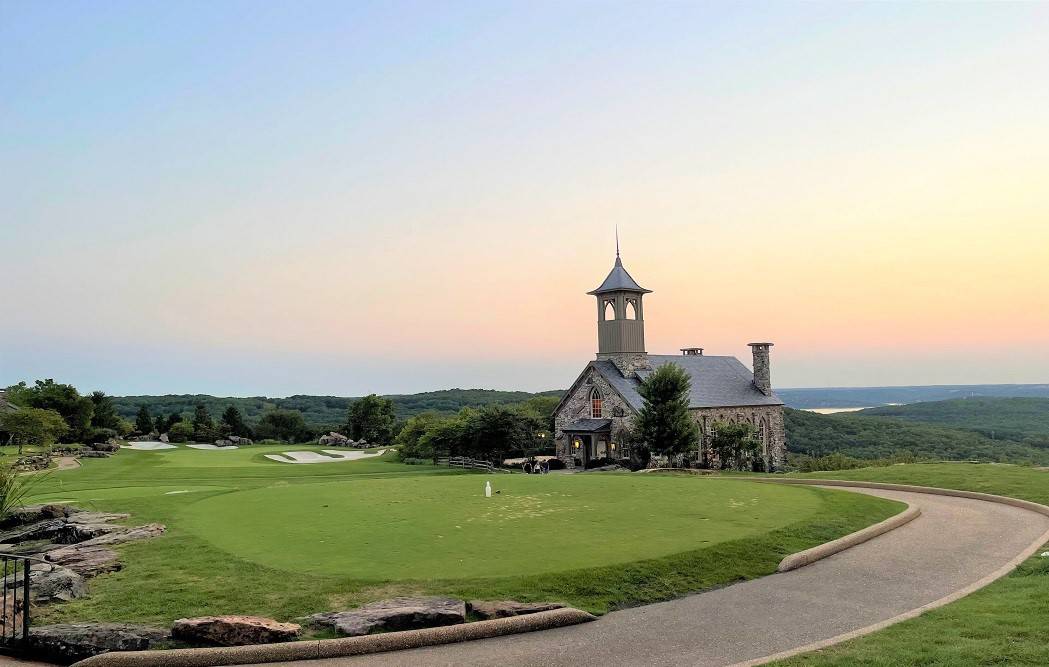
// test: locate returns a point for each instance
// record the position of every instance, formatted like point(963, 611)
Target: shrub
point(180, 432)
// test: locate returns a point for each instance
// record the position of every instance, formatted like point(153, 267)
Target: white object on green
point(487, 489)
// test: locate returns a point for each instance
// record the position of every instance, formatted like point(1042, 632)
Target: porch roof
point(588, 425)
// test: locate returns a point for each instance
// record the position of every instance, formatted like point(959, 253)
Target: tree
point(371, 418)
point(664, 424)
point(734, 444)
point(144, 422)
point(285, 425)
point(104, 414)
point(173, 418)
point(160, 424)
point(180, 431)
point(203, 424)
point(64, 399)
point(32, 426)
point(408, 441)
point(233, 419)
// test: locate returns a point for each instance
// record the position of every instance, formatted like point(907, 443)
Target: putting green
point(426, 527)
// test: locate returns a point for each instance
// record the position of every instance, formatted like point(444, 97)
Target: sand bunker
point(328, 456)
point(150, 446)
point(211, 447)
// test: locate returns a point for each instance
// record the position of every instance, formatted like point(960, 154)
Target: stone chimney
point(762, 379)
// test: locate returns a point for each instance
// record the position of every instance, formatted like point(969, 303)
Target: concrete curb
point(339, 648)
point(809, 556)
point(914, 613)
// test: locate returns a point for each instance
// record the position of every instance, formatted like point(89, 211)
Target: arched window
point(596, 404)
point(610, 310)
point(631, 309)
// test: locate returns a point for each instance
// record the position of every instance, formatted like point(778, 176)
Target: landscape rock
point(223, 443)
point(43, 529)
point(103, 447)
point(49, 582)
point(163, 437)
point(241, 442)
point(488, 609)
point(87, 561)
point(127, 535)
point(31, 513)
point(70, 642)
point(402, 613)
point(234, 630)
point(333, 439)
point(33, 462)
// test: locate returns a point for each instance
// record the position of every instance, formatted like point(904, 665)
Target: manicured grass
point(245, 533)
point(1006, 623)
point(422, 528)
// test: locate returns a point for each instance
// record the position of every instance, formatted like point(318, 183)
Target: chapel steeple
point(621, 319)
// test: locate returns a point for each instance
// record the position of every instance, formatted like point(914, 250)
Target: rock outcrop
point(49, 583)
point(233, 630)
point(70, 642)
point(334, 439)
point(85, 560)
point(402, 613)
point(488, 609)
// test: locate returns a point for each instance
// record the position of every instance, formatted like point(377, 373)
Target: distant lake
point(831, 411)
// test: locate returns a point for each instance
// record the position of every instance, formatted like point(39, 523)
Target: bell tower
point(621, 320)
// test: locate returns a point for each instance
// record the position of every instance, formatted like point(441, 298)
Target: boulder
point(103, 447)
point(70, 642)
point(31, 513)
point(49, 582)
point(43, 529)
point(127, 535)
point(233, 630)
point(223, 443)
point(87, 561)
point(334, 439)
point(163, 437)
point(488, 609)
point(241, 442)
point(402, 613)
point(33, 462)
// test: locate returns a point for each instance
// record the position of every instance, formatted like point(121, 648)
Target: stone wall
point(774, 447)
point(577, 406)
point(626, 362)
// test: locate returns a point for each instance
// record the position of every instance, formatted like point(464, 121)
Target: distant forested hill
point(867, 436)
point(321, 411)
point(1019, 419)
point(865, 397)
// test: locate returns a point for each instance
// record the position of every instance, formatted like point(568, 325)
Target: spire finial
point(617, 241)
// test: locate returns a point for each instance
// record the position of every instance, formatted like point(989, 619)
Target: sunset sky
point(271, 198)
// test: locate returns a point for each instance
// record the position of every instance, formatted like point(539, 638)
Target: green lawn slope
point(1006, 623)
point(247, 535)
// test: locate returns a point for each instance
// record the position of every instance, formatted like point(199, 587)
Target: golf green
point(426, 527)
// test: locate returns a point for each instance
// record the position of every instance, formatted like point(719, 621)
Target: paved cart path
point(955, 543)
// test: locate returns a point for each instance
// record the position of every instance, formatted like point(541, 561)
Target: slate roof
point(5, 405)
point(588, 425)
point(618, 279)
point(717, 382)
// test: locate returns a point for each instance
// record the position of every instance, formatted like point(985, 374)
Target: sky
point(275, 198)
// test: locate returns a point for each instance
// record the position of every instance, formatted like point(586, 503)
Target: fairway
point(445, 527)
point(285, 540)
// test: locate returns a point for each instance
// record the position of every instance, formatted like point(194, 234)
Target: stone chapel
point(591, 420)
